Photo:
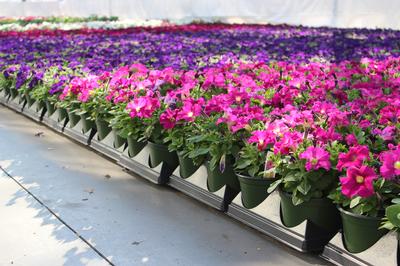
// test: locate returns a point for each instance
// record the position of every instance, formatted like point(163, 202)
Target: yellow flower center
point(261, 141)
point(190, 114)
point(314, 161)
point(137, 109)
point(238, 98)
point(397, 165)
point(359, 179)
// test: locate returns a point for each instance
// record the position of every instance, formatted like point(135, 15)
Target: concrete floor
point(62, 204)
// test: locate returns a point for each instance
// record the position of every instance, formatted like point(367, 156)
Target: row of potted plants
point(326, 136)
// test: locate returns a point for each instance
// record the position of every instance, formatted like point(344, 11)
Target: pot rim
point(313, 199)
point(358, 215)
point(156, 144)
point(247, 177)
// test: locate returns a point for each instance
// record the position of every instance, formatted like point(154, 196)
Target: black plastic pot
point(217, 179)
point(118, 140)
point(159, 153)
point(134, 146)
point(186, 166)
point(103, 128)
point(254, 190)
point(360, 232)
point(73, 118)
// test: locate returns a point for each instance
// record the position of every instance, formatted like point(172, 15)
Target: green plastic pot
point(87, 123)
point(39, 106)
point(21, 99)
point(118, 140)
point(6, 91)
point(186, 166)
point(103, 128)
point(321, 212)
point(29, 100)
point(217, 179)
point(73, 118)
point(62, 114)
point(360, 232)
point(134, 146)
point(13, 93)
point(50, 108)
point(159, 153)
point(254, 190)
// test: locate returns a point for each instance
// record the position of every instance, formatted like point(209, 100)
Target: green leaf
point(393, 214)
point(354, 202)
point(198, 152)
point(304, 187)
point(396, 201)
point(296, 200)
point(274, 185)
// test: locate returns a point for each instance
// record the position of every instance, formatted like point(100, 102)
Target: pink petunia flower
point(190, 110)
point(358, 182)
point(168, 119)
point(143, 107)
point(351, 139)
point(288, 142)
point(316, 158)
point(354, 157)
point(390, 164)
point(262, 138)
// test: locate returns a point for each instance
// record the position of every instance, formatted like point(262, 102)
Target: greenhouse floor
point(62, 204)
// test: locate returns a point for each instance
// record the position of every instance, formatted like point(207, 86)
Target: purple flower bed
point(193, 46)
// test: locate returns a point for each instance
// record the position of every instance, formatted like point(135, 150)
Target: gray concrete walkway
point(61, 204)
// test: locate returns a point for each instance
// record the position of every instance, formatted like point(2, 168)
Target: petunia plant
point(369, 183)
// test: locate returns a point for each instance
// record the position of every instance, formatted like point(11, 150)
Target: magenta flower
point(262, 138)
point(386, 134)
point(143, 107)
point(390, 164)
point(316, 158)
point(358, 182)
point(354, 157)
point(190, 110)
point(351, 139)
point(288, 142)
point(168, 119)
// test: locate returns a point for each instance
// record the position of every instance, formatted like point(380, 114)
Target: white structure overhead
point(335, 13)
